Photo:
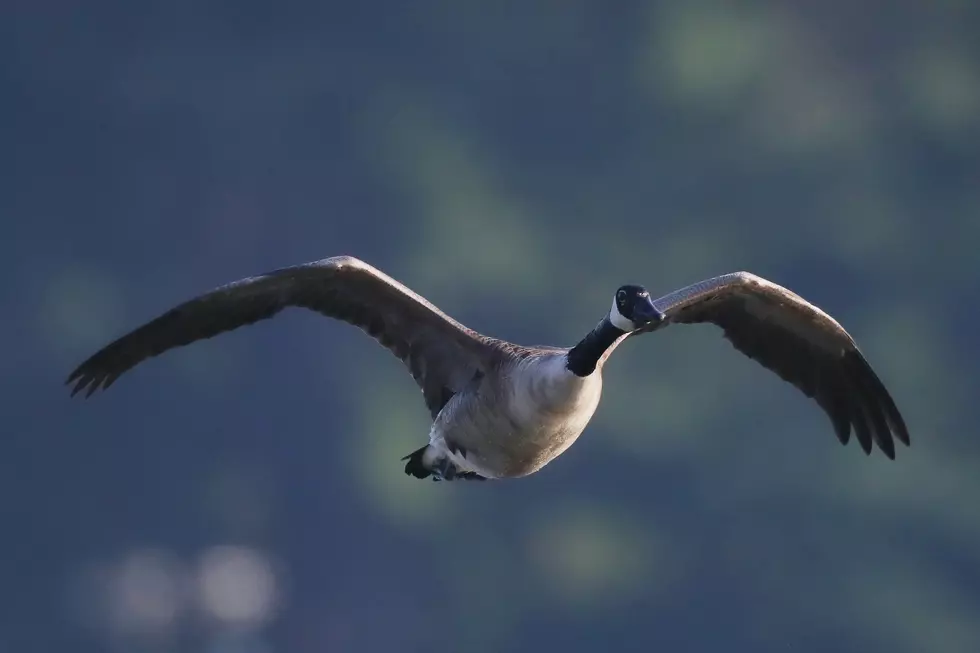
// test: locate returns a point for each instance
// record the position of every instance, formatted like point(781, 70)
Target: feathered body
point(541, 408)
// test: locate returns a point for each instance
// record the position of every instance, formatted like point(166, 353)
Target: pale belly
point(517, 441)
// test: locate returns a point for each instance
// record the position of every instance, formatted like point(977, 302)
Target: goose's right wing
point(441, 354)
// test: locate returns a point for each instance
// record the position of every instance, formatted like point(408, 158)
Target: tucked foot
point(470, 476)
point(442, 469)
point(447, 471)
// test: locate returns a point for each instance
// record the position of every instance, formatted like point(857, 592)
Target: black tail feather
point(414, 466)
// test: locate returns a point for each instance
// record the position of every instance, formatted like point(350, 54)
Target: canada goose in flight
point(502, 410)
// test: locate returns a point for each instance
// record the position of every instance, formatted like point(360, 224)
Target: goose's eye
point(621, 296)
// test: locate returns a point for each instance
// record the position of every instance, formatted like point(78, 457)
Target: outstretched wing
point(441, 354)
point(800, 343)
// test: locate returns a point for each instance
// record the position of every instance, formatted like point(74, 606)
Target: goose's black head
point(633, 308)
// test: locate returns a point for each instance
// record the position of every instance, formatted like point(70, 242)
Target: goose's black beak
point(645, 312)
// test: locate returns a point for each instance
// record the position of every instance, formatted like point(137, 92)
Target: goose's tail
point(423, 463)
point(415, 465)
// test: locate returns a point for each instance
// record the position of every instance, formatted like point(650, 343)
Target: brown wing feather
point(800, 343)
point(441, 354)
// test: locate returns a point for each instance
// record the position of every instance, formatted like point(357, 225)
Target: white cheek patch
point(618, 320)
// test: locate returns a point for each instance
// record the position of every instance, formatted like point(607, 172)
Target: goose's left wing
point(799, 342)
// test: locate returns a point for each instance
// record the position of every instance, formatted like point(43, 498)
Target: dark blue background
point(514, 162)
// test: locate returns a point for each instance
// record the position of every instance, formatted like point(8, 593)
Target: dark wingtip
point(92, 388)
point(891, 425)
point(80, 383)
point(862, 430)
point(898, 427)
point(84, 380)
point(109, 380)
point(903, 437)
point(889, 448)
point(887, 445)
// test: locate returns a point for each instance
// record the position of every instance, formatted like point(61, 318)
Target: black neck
point(583, 357)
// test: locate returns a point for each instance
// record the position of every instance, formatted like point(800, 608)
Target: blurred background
point(515, 162)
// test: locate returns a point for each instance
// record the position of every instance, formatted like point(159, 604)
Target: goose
point(502, 410)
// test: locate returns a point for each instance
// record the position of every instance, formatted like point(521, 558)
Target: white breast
point(535, 413)
point(544, 389)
